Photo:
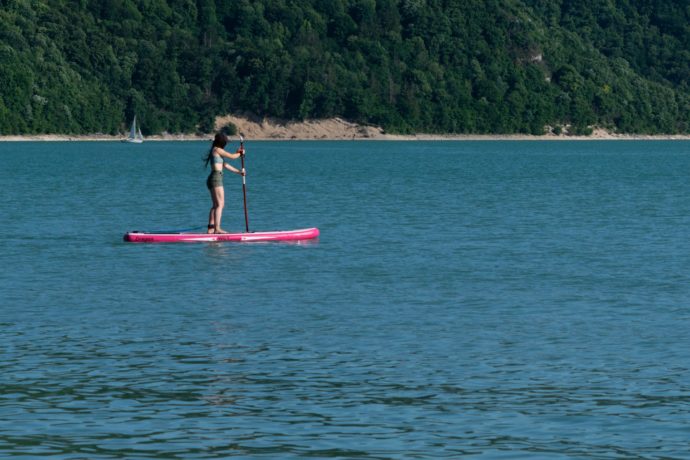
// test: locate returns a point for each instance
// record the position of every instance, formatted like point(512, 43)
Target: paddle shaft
point(244, 189)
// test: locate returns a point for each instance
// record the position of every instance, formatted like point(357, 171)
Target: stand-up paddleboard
point(184, 237)
point(188, 236)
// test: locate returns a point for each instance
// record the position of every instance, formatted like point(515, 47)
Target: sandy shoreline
point(333, 129)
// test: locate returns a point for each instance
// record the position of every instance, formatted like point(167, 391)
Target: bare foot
point(220, 230)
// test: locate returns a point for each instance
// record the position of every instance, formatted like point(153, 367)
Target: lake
point(488, 299)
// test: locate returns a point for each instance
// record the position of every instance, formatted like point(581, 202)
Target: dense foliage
point(456, 66)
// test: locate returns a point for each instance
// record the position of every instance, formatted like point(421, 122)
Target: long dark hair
point(221, 140)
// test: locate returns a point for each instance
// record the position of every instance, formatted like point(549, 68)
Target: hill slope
point(454, 66)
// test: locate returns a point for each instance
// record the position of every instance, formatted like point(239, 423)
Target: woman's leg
point(219, 203)
point(212, 212)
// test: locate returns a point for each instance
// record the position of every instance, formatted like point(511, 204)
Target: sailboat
point(135, 135)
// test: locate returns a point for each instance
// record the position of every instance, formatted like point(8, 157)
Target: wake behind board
point(184, 237)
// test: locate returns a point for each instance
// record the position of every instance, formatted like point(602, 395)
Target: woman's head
point(220, 140)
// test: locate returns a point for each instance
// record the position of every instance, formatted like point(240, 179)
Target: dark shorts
point(215, 179)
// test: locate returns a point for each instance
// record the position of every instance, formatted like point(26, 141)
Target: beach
point(256, 128)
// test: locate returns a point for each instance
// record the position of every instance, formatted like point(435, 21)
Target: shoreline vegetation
point(333, 129)
point(409, 67)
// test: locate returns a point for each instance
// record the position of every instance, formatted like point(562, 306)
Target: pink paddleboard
point(288, 235)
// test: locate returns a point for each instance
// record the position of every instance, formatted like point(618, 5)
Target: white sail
point(135, 135)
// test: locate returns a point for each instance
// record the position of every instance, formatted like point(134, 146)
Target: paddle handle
point(244, 186)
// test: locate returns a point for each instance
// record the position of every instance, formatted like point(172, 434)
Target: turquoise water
point(478, 299)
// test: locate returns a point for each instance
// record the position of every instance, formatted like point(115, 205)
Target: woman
point(215, 179)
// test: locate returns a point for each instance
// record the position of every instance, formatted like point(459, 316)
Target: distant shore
point(332, 129)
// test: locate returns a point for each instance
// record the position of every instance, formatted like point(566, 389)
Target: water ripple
point(508, 300)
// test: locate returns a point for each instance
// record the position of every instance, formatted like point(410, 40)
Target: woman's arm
point(229, 167)
point(232, 156)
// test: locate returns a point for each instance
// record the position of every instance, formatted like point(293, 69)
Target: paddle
point(244, 184)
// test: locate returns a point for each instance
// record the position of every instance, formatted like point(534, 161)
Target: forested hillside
point(435, 66)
